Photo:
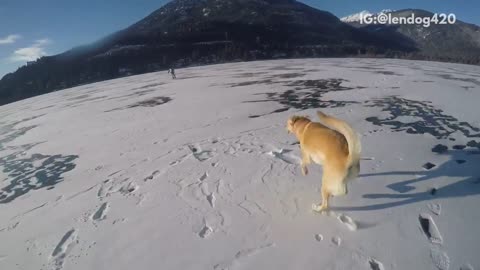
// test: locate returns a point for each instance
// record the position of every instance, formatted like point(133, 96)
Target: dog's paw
point(318, 208)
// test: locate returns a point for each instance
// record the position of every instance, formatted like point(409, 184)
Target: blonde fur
point(331, 143)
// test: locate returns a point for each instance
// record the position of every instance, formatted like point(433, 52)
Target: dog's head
point(292, 121)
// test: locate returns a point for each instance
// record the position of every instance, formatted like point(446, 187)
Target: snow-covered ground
point(146, 172)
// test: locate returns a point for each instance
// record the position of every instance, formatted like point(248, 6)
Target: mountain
point(195, 32)
point(356, 17)
point(458, 42)
point(353, 18)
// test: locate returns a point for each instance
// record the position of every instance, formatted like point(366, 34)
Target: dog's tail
point(354, 144)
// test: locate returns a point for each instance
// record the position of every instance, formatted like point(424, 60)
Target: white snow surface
point(356, 17)
point(147, 172)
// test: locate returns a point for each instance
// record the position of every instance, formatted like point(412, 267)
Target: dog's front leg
point(305, 162)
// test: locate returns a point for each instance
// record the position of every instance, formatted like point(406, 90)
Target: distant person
point(172, 71)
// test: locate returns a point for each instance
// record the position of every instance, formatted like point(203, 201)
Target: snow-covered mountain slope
point(146, 172)
point(356, 17)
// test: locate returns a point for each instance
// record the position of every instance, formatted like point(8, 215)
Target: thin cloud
point(32, 53)
point(42, 42)
point(9, 39)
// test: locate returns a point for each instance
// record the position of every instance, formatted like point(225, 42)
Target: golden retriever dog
point(331, 143)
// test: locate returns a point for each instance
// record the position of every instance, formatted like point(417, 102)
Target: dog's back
point(332, 143)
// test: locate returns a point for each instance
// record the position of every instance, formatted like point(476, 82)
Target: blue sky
point(33, 28)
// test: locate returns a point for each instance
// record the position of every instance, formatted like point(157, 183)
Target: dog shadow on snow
point(462, 168)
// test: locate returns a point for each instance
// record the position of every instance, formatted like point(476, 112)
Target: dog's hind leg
point(305, 161)
point(324, 205)
point(325, 191)
point(332, 184)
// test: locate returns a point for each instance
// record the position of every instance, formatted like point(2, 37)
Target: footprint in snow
point(205, 231)
point(439, 258)
point(63, 248)
point(211, 199)
point(199, 154)
point(375, 265)
point(282, 155)
point(151, 176)
point(430, 229)
point(204, 176)
point(337, 241)
point(435, 208)
point(101, 213)
point(129, 188)
point(348, 221)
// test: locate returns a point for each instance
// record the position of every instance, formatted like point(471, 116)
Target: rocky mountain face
point(458, 42)
point(198, 32)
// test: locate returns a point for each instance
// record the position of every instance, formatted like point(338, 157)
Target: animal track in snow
point(205, 231)
point(102, 192)
point(199, 154)
point(10, 227)
point(337, 241)
point(178, 161)
point(245, 253)
point(196, 191)
point(250, 207)
point(151, 176)
point(348, 221)
point(222, 189)
point(119, 220)
point(375, 265)
point(203, 177)
point(430, 229)
point(123, 186)
point(204, 188)
point(101, 213)
point(64, 247)
point(436, 208)
point(318, 237)
point(439, 258)
point(211, 199)
point(129, 188)
point(251, 251)
point(112, 174)
point(80, 193)
point(282, 155)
